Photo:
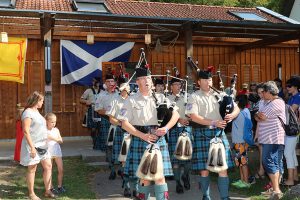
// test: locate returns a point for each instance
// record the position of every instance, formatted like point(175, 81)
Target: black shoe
point(127, 192)
point(61, 190)
point(112, 176)
point(186, 182)
point(120, 173)
point(179, 188)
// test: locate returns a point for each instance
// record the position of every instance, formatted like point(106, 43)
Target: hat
point(173, 80)
point(204, 74)
point(158, 81)
point(109, 76)
point(121, 80)
point(143, 70)
point(125, 86)
point(245, 85)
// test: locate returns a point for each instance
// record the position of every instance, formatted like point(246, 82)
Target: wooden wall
point(251, 65)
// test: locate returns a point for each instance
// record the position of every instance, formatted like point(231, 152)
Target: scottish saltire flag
point(80, 62)
point(12, 59)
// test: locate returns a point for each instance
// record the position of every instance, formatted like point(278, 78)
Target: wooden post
point(47, 24)
point(188, 38)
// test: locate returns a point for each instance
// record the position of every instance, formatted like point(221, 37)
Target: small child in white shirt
point(53, 141)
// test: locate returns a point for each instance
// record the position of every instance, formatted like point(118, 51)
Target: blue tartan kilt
point(202, 137)
point(136, 151)
point(101, 136)
point(90, 122)
point(173, 137)
point(117, 144)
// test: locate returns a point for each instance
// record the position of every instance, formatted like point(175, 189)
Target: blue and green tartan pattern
point(173, 137)
point(136, 151)
point(202, 137)
point(90, 122)
point(102, 134)
point(117, 144)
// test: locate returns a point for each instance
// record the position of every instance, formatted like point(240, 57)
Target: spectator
point(19, 134)
point(53, 141)
point(34, 145)
point(271, 136)
point(292, 85)
point(239, 145)
point(260, 174)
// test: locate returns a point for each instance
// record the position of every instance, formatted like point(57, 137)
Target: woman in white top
point(54, 139)
point(34, 145)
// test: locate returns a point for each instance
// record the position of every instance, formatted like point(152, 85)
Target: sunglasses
point(289, 86)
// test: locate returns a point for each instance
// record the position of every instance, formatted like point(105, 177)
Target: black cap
point(204, 74)
point(121, 80)
point(158, 81)
point(143, 70)
point(109, 76)
point(174, 80)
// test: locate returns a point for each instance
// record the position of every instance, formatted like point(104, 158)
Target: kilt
point(117, 144)
point(173, 137)
point(90, 122)
point(101, 136)
point(202, 137)
point(136, 151)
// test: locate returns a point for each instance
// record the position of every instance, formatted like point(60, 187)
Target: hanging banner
point(12, 59)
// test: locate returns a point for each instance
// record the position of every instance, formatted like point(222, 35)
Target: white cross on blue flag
point(80, 62)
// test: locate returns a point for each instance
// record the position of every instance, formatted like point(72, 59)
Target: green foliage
point(275, 5)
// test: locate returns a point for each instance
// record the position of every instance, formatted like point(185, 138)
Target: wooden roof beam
point(269, 41)
point(47, 22)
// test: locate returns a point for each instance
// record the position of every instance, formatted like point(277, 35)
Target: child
point(54, 139)
point(239, 145)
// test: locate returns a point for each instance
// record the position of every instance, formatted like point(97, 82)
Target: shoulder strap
point(94, 92)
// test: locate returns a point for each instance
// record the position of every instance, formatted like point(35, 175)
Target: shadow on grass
point(77, 177)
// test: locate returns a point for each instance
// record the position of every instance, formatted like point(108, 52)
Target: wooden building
point(252, 42)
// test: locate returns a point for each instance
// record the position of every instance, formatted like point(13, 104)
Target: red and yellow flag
point(12, 59)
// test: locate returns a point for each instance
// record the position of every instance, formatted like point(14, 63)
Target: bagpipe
point(226, 101)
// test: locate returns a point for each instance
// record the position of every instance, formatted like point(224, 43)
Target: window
point(90, 6)
point(247, 16)
point(7, 3)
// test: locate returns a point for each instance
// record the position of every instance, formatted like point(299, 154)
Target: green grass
point(77, 177)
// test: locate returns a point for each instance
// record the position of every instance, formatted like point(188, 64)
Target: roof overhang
point(34, 23)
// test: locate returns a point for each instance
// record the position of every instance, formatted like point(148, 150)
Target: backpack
point(291, 127)
point(248, 133)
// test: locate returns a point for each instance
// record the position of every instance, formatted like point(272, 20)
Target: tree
point(275, 5)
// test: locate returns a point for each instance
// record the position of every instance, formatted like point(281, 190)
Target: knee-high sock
point(133, 182)
point(126, 182)
point(144, 192)
point(204, 183)
point(177, 173)
point(161, 192)
point(223, 185)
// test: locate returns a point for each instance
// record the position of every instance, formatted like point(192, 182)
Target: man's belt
point(145, 129)
point(196, 125)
